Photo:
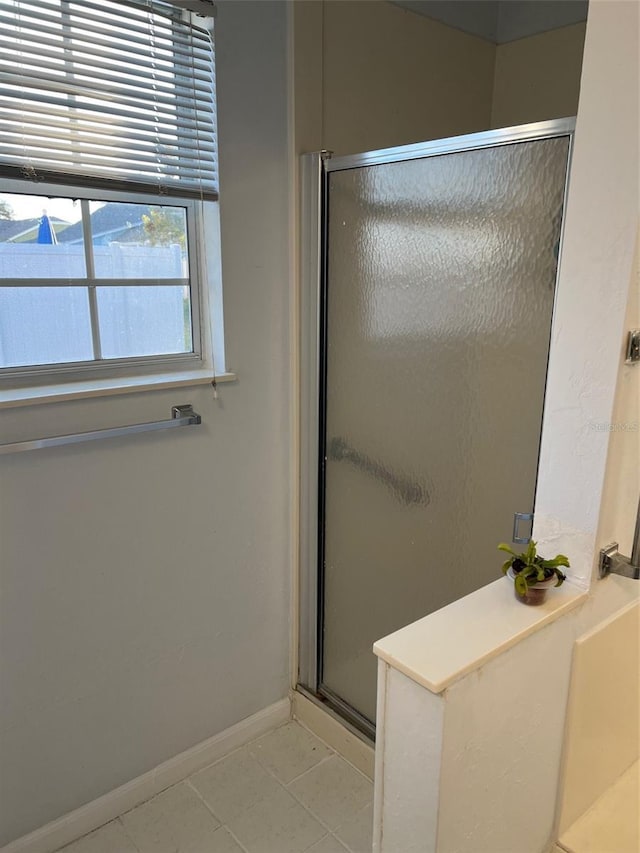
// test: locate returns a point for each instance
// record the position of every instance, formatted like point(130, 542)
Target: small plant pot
point(536, 593)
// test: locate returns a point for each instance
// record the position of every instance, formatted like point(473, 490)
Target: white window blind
point(111, 93)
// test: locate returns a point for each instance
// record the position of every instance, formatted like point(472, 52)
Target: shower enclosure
point(429, 275)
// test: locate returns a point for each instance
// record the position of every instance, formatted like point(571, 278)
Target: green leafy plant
point(529, 568)
point(164, 227)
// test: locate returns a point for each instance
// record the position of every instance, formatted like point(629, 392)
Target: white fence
point(45, 325)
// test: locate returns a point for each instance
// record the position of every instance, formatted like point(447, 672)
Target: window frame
point(150, 365)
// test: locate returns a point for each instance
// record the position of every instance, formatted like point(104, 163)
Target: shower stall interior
point(429, 275)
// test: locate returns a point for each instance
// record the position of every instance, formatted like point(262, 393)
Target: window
point(108, 151)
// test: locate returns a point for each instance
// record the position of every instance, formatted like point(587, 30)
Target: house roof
point(11, 229)
point(113, 217)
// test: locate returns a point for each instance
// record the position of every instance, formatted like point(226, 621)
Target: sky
point(31, 207)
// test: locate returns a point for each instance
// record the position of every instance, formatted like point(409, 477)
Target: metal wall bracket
point(186, 411)
point(613, 562)
point(517, 518)
point(632, 355)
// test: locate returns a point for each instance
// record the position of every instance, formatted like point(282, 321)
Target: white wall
point(145, 579)
point(601, 224)
point(503, 727)
point(589, 388)
point(477, 766)
point(621, 491)
point(503, 736)
point(596, 756)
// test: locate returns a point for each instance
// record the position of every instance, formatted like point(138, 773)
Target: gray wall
point(538, 77)
point(369, 74)
point(145, 581)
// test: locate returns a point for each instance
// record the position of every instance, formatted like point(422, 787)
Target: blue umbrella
point(46, 234)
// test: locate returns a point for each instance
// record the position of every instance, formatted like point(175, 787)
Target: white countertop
point(441, 647)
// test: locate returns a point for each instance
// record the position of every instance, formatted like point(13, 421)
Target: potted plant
point(531, 574)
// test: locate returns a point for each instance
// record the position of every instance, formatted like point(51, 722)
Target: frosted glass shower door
point(440, 278)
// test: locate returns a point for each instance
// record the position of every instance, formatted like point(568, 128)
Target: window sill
point(14, 397)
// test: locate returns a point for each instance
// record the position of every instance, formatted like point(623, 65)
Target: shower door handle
point(517, 518)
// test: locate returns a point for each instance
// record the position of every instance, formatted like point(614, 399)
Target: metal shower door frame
point(314, 173)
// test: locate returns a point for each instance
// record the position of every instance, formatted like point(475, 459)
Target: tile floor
point(285, 792)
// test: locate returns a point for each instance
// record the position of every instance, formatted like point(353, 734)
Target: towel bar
point(181, 416)
point(409, 491)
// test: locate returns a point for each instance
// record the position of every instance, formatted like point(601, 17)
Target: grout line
point(328, 835)
point(99, 829)
point(353, 816)
point(291, 794)
point(235, 838)
point(285, 786)
point(338, 828)
point(307, 771)
point(342, 843)
point(294, 721)
point(313, 843)
point(339, 754)
point(124, 829)
point(270, 732)
point(190, 784)
point(336, 753)
point(282, 785)
point(213, 814)
point(319, 819)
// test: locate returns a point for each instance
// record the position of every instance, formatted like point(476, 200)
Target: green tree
point(6, 211)
point(164, 227)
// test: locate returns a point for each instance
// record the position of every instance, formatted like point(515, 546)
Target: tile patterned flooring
point(285, 792)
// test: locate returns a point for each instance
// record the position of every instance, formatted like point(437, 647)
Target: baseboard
point(329, 728)
point(77, 823)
